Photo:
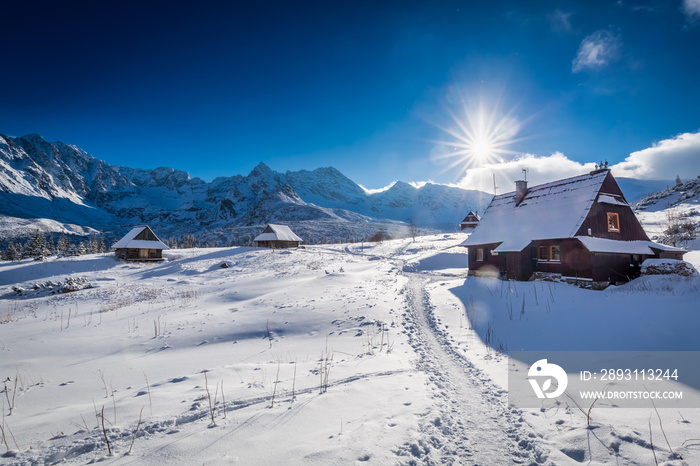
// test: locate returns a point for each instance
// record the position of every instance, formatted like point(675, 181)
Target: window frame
point(546, 253)
point(480, 254)
point(552, 254)
point(614, 226)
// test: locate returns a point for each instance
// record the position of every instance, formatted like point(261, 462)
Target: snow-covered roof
point(551, 210)
point(129, 241)
point(277, 233)
point(471, 219)
point(594, 244)
point(611, 199)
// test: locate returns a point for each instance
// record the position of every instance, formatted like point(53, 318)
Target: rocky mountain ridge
point(67, 189)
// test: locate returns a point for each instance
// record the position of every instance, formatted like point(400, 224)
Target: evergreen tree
point(83, 248)
point(72, 250)
point(36, 247)
point(189, 241)
point(42, 252)
point(101, 243)
point(92, 244)
point(13, 252)
point(50, 246)
point(678, 180)
point(21, 254)
point(31, 244)
point(63, 246)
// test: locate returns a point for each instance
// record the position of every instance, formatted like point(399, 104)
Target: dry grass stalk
point(211, 406)
point(223, 397)
point(651, 442)
point(588, 415)
point(10, 404)
point(104, 431)
point(661, 425)
point(136, 431)
point(148, 389)
point(2, 430)
point(274, 390)
point(324, 371)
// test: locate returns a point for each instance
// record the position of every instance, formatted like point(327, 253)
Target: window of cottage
point(613, 222)
point(543, 253)
point(480, 254)
point(554, 253)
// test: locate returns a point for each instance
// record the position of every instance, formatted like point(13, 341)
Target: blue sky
point(380, 90)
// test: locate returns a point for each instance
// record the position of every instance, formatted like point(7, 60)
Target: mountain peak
point(328, 171)
point(261, 168)
point(33, 137)
point(402, 186)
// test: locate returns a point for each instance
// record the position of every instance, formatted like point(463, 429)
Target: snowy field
point(330, 354)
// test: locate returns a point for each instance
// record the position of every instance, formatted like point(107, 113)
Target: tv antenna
point(525, 170)
point(495, 188)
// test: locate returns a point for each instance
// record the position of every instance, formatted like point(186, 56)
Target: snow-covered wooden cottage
point(140, 244)
point(277, 236)
point(580, 228)
point(470, 221)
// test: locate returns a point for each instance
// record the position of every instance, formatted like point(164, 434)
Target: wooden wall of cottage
point(278, 244)
point(597, 221)
point(490, 263)
point(138, 254)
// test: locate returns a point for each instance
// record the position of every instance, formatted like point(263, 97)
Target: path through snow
point(470, 422)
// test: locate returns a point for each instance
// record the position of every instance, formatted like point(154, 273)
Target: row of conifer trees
point(41, 246)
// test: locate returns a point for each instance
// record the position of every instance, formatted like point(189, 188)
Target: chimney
point(520, 191)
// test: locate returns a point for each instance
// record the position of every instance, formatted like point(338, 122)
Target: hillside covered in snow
point(333, 354)
point(60, 188)
point(672, 215)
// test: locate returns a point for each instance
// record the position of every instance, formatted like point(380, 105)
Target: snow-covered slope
point(672, 215)
point(335, 354)
point(680, 194)
point(60, 182)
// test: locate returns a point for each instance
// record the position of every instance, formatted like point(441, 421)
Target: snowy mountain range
point(61, 188)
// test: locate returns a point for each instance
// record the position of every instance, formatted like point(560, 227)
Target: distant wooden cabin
point(580, 228)
point(140, 244)
point(277, 236)
point(470, 221)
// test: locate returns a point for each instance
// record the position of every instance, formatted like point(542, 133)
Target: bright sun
point(481, 149)
point(477, 137)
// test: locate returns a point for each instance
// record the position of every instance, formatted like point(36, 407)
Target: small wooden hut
point(277, 236)
point(140, 244)
point(470, 221)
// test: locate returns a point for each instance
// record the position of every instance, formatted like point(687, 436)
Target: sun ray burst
point(477, 137)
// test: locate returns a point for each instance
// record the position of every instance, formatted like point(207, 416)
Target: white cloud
point(691, 8)
point(597, 50)
point(664, 160)
point(540, 170)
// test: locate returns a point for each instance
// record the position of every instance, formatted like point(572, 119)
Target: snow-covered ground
point(324, 355)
